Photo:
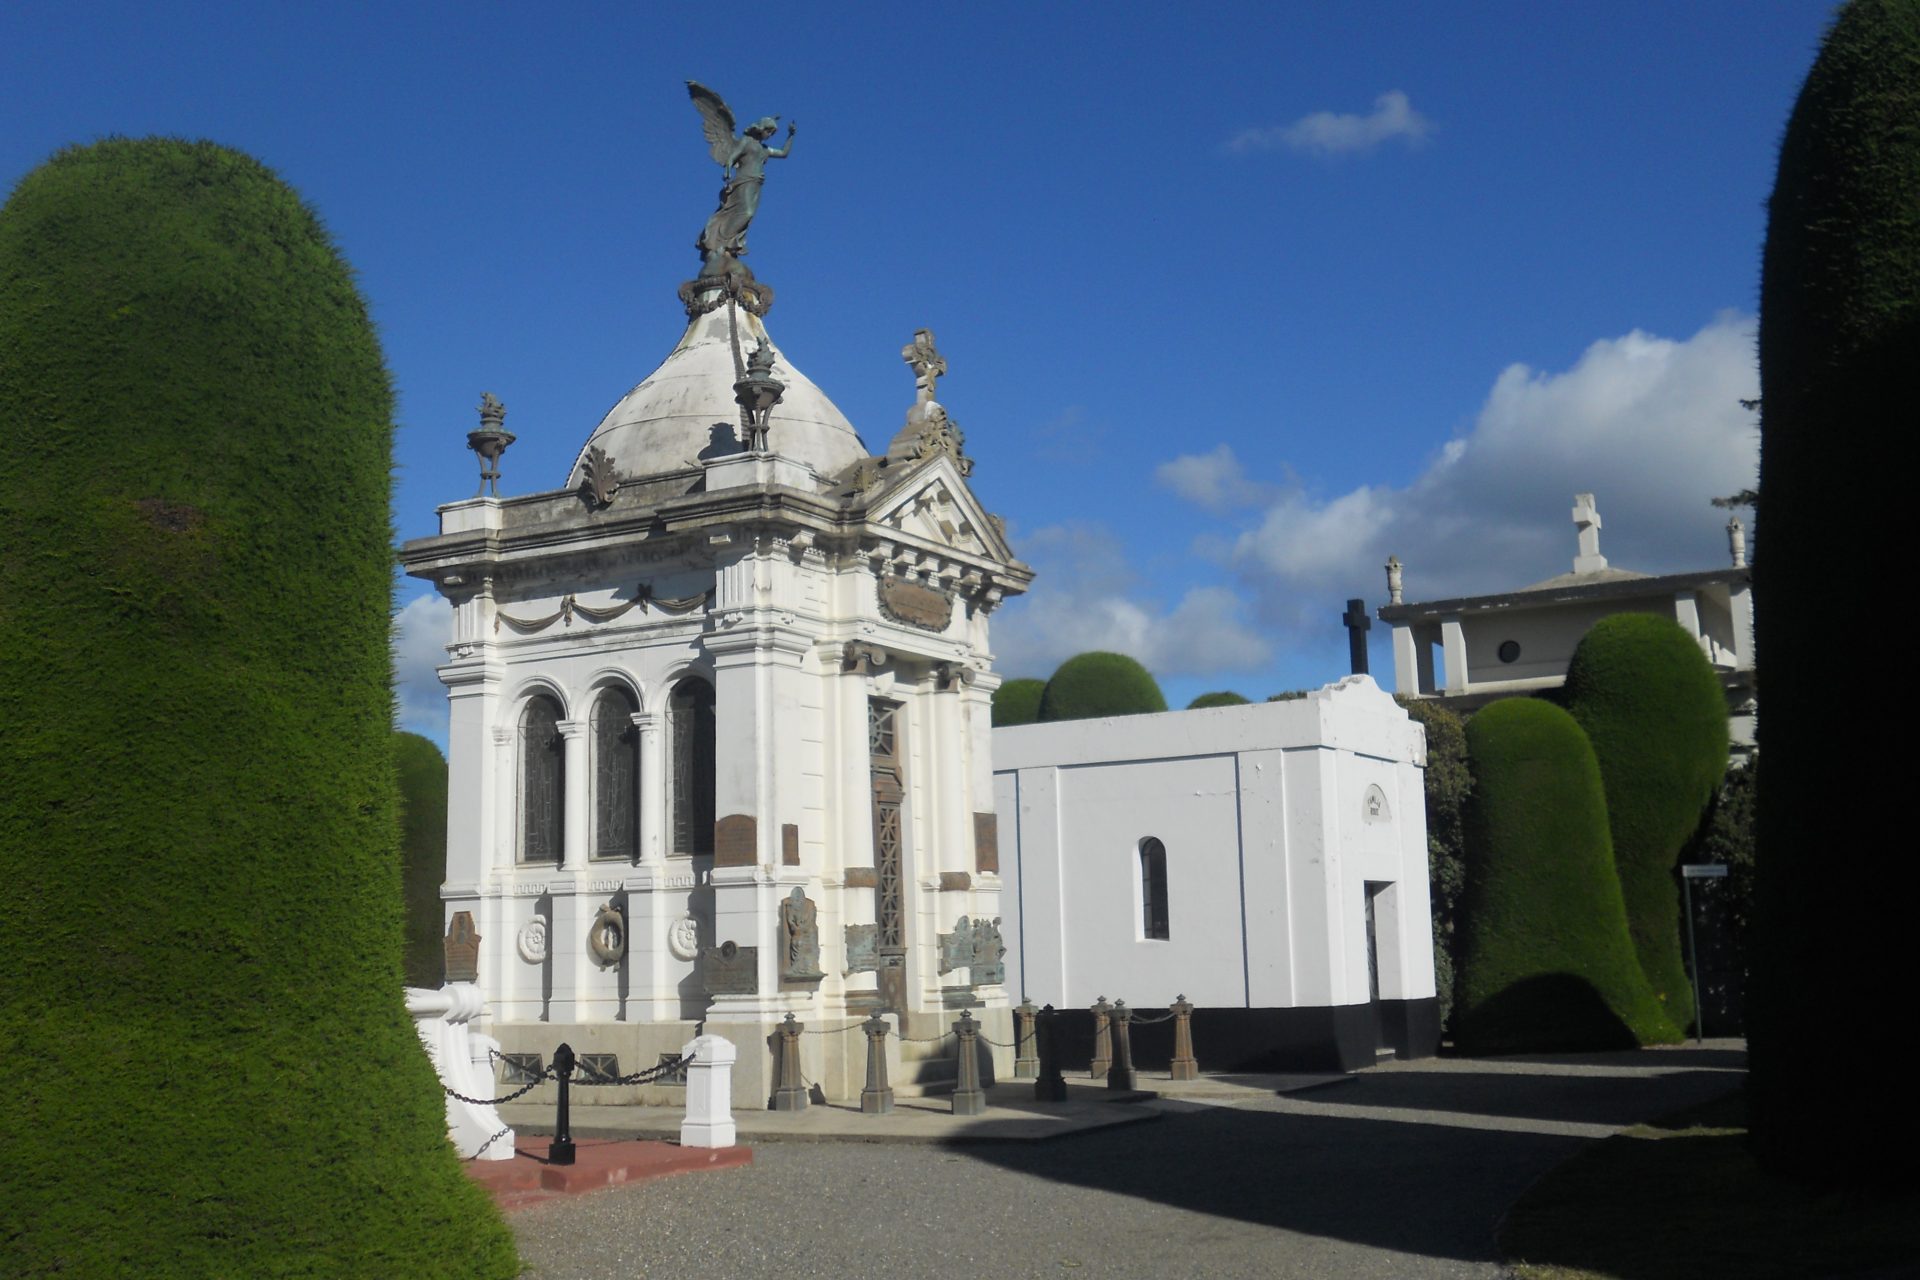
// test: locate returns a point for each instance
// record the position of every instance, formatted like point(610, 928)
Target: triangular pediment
point(933, 506)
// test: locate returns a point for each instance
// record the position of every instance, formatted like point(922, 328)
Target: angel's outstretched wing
point(715, 120)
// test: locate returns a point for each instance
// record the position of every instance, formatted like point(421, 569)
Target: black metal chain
point(1150, 1022)
point(494, 1102)
point(647, 1076)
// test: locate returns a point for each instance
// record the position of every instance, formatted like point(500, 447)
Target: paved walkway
point(1401, 1171)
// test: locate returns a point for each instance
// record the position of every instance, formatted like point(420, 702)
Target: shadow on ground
point(1312, 1165)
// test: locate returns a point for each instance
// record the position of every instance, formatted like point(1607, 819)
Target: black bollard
point(1120, 1074)
point(560, 1150)
point(1051, 1086)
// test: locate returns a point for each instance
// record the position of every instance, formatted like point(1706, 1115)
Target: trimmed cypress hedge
point(1447, 783)
point(210, 1070)
point(1222, 698)
point(1017, 701)
point(1839, 329)
point(1657, 718)
point(423, 855)
point(1545, 960)
point(1100, 684)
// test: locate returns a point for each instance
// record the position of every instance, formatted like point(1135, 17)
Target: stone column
point(1406, 662)
point(574, 732)
point(653, 787)
point(1453, 643)
point(1686, 612)
point(877, 1098)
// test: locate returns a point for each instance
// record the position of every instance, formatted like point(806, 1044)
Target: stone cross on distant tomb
point(929, 366)
point(1586, 518)
point(1357, 623)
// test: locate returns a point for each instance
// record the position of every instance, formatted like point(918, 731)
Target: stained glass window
point(691, 710)
point(543, 781)
point(1153, 889)
point(616, 776)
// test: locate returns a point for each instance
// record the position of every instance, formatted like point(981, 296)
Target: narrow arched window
point(1153, 889)
point(616, 776)
point(691, 710)
point(543, 781)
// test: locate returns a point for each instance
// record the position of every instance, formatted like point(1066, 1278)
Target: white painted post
point(709, 1121)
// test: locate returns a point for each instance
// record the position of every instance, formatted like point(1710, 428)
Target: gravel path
point(1403, 1171)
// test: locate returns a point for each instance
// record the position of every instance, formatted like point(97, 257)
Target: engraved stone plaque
point(863, 948)
point(461, 947)
point(863, 878)
point(914, 604)
point(736, 840)
point(955, 881)
point(789, 845)
point(730, 970)
point(986, 842)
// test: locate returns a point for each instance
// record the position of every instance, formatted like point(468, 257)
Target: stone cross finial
point(929, 366)
point(1393, 580)
point(1586, 518)
point(1357, 623)
point(1737, 542)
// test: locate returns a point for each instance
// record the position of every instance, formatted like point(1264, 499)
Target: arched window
point(1153, 889)
point(543, 781)
point(616, 776)
point(691, 709)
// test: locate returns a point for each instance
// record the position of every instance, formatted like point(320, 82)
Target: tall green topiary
point(210, 1068)
point(423, 855)
point(1654, 711)
point(1220, 698)
point(1839, 329)
point(1100, 684)
point(1545, 961)
point(1017, 702)
point(1448, 784)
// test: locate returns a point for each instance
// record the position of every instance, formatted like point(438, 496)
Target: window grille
point(1153, 889)
point(543, 758)
point(692, 713)
point(616, 776)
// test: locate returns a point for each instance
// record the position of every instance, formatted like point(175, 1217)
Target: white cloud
point(1652, 426)
point(1333, 133)
point(1088, 600)
point(1215, 481)
point(421, 631)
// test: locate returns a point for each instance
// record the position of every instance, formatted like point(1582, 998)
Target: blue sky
point(1236, 299)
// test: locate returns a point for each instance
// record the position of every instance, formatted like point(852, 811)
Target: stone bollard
point(1051, 1086)
point(1102, 1038)
point(1025, 1065)
point(877, 1098)
point(1184, 1065)
point(709, 1121)
point(789, 1094)
point(968, 1100)
point(560, 1150)
point(1120, 1074)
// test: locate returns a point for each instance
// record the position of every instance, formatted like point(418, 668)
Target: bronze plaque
point(461, 948)
point(736, 841)
point(790, 844)
point(986, 842)
point(730, 970)
point(915, 605)
point(862, 878)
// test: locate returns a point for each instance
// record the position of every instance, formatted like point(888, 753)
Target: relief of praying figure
point(723, 242)
point(798, 921)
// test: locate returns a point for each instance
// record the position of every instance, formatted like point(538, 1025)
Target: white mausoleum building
point(719, 746)
point(1268, 862)
point(1520, 642)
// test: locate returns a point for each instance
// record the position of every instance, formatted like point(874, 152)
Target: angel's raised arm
point(716, 121)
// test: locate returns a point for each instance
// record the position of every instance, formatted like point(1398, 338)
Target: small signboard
point(1704, 870)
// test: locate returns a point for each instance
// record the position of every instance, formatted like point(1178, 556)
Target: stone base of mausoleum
point(1316, 1039)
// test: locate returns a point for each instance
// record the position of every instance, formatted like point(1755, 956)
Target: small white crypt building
point(720, 722)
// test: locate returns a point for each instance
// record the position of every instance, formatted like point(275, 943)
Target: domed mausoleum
point(720, 718)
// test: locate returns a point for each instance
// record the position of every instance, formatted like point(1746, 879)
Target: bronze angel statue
point(724, 239)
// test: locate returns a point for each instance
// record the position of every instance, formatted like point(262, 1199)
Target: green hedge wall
point(1839, 329)
point(1448, 784)
point(1654, 711)
point(1100, 684)
point(423, 855)
point(210, 1068)
point(1017, 701)
point(1545, 960)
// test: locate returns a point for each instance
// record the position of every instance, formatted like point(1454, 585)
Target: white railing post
point(709, 1121)
point(460, 1058)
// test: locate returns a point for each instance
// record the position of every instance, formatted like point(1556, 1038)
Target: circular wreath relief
point(683, 939)
point(533, 940)
point(607, 939)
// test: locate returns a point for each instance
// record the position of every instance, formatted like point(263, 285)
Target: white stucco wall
point(1271, 845)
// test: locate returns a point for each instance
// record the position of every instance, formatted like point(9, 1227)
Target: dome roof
point(668, 422)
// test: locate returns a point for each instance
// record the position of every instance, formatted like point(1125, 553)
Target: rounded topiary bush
point(1222, 698)
point(1448, 784)
point(1545, 961)
point(1100, 684)
point(1653, 709)
point(211, 1071)
point(1017, 701)
point(1839, 326)
point(423, 855)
